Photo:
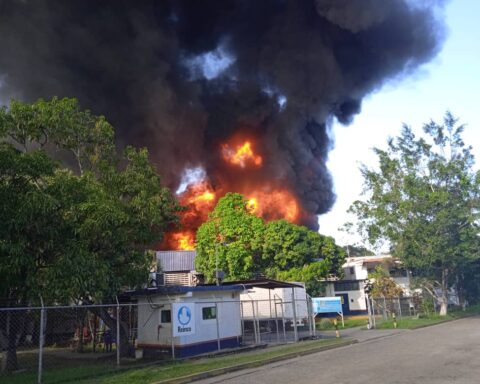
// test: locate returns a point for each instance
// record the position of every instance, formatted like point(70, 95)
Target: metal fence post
point(173, 339)
point(283, 321)
point(218, 328)
point(41, 342)
point(373, 311)
point(242, 321)
point(276, 320)
point(118, 333)
point(259, 334)
point(309, 317)
point(295, 334)
point(254, 323)
point(385, 315)
point(399, 308)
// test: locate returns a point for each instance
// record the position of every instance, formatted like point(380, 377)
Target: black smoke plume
point(293, 66)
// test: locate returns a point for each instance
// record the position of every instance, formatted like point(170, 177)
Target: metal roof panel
point(176, 261)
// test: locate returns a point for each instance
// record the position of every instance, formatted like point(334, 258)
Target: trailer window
point(166, 316)
point(209, 313)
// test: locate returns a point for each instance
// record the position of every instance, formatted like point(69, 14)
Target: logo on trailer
point(183, 319)
point(184, 315)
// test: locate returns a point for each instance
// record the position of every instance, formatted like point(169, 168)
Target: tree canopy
point(380, 284)
point(232, 238)
point(243, 246)
point(423, 199)
point(73, 230)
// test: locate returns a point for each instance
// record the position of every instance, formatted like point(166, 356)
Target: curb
point(444, 321)
point(252, 364)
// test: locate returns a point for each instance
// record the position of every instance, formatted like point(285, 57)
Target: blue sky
point(451, 81)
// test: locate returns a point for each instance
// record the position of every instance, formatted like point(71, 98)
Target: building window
point(209, 313)
point(347, 286)
point(166, 316)
point(352, 271)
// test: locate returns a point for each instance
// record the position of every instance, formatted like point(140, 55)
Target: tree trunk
point(111, 322)
point(444, 294)
point(80, 326)
point(461, 291)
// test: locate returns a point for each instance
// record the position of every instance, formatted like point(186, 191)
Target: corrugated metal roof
point(177, 289)
point(176, 261)
point(264, 283)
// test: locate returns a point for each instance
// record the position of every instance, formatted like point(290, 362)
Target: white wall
point(359, 272)
point(357, 296)
point(266, 300)
point(356, 299)
point(228, 305)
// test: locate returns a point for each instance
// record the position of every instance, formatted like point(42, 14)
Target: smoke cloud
point(181, 77)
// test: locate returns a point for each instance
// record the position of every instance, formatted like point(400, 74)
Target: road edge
point(253, 364)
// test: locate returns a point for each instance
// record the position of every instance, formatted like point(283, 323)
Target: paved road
point(445, 353)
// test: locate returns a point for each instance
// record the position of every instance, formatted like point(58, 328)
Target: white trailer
point(277, 303)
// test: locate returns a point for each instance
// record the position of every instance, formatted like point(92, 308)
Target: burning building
point(228, 95)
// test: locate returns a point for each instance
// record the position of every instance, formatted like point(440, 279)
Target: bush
point(325, 324)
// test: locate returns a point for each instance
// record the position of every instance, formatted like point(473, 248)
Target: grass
point(327, 324)
point(188, 367)
point(73, 368)
point(96, 373)
point(412, 322)
point(418, 322)
point(62, 375)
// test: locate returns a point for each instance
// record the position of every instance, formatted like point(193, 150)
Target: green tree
point(382, 285)
point(293, 252)
point(231, 239)
point(357, 250)
point(243, 245)
point(80, 139)
point(423, 199)
point(73, 237)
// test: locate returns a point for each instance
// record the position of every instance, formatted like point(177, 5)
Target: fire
point(198, 196)
point(205, 196)
point(198, 199)
point(242, 155)
point(252, 204)
point(267, 200)
point(182, 240)
point(274, 205)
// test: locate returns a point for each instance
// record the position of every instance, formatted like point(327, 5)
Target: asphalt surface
point(444, 353)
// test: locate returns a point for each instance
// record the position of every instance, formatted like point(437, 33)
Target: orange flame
point(198, 197)
point(198, 200)
point(182, 240)
point(242, 155)
point(274, 205)
point(205, 196)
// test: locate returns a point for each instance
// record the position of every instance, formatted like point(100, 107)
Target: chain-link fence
point(276, 321)
point(382, 309)
point(71, 343)
point(51, 344)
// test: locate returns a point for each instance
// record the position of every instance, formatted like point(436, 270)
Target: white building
point(186, 321)
point(356, 270)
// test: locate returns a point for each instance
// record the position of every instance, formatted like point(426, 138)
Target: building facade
point(356, 271)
